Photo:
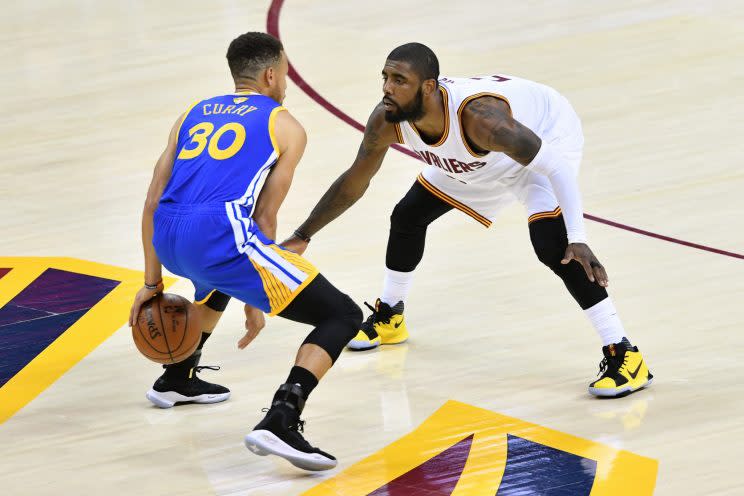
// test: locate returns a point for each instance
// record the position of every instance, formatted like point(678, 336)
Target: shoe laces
point(604, 365)
point(375, 316)
point(299, 426)
point(199, 368)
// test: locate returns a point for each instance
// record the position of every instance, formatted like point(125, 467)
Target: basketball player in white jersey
point(485, 141)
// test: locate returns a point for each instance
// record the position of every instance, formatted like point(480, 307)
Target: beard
point(411, 112)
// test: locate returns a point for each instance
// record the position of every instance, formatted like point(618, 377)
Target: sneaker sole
point(170, 398)
point(354, 347)
point(263, 442)
point(616, 393)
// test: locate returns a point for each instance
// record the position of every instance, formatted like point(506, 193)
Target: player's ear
point(429, 87)
point(270, 76)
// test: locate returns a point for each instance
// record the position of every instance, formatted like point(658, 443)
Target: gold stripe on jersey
point(272, 132)
point(545, 215)
point(184, 115)
point(451, 201)
point(399, 133)
point(459, 117)
point(445, 134)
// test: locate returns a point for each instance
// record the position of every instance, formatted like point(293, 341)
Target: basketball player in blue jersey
point(210, 216)
point(487, 141)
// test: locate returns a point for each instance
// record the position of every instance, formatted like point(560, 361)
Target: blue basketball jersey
point(225, 150)
point(203, 227)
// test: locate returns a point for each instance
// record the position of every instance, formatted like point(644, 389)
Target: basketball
point(167, 329)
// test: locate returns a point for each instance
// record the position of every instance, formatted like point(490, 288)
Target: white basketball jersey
point(534, 105)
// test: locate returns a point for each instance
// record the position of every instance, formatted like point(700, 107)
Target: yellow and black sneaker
point(386, 325)
point(623, 371)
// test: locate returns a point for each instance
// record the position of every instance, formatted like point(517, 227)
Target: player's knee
point(548, 241)
point(406, 218)
point(352, 316)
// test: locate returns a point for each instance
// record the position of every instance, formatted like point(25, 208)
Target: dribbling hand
point(583, 254)
point(142, 296)
point(254, 322)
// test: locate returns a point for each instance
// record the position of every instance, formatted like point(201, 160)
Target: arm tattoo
point(505, 134)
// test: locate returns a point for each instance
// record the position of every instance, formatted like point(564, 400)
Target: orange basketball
point(167, 329)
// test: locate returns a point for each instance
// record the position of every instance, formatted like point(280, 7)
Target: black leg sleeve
point(408, 223)
point(549, 240)
point(335, 316)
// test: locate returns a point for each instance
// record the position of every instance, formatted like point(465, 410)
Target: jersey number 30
point(201, 135)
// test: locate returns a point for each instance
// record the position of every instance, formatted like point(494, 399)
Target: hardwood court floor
point(90, 90)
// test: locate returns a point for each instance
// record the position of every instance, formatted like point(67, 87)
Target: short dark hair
point(251, 53)
point(421, 59)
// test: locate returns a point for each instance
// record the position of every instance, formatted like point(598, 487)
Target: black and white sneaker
point(280, 434)
point(180, 384)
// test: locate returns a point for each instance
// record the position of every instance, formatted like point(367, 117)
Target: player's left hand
point(254, 322)
point(583, 254)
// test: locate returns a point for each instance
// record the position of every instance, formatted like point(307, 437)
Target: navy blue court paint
point(437, 476)
point(42, 312)
point(533, 468)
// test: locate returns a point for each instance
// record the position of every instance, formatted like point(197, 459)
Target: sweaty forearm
point(339, 197)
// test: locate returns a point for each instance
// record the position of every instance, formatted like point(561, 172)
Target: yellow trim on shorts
point(545, 215)
point(204, 300)
point(272, 130)
point(294, 294)
point(278, 293)
point(451, 201)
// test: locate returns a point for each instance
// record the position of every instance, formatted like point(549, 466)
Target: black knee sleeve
point(408, 223)
point(549, 241)
point(333, 334)
point(217, 301)
point(335, 316)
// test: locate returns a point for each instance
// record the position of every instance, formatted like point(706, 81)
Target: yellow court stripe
point(15, 281)
point(619, 472)
point(81, 338)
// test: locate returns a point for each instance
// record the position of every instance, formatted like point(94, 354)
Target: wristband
point(304, 237)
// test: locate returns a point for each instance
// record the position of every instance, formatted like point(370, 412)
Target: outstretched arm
point(489, 125)
point(352, 183)
point(160, 177)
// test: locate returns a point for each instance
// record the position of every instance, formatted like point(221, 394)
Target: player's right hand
point(142, 296)
point(254, 322)
point(295, 244)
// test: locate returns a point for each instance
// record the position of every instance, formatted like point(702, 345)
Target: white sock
point(606, 322)
point(396, 286)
